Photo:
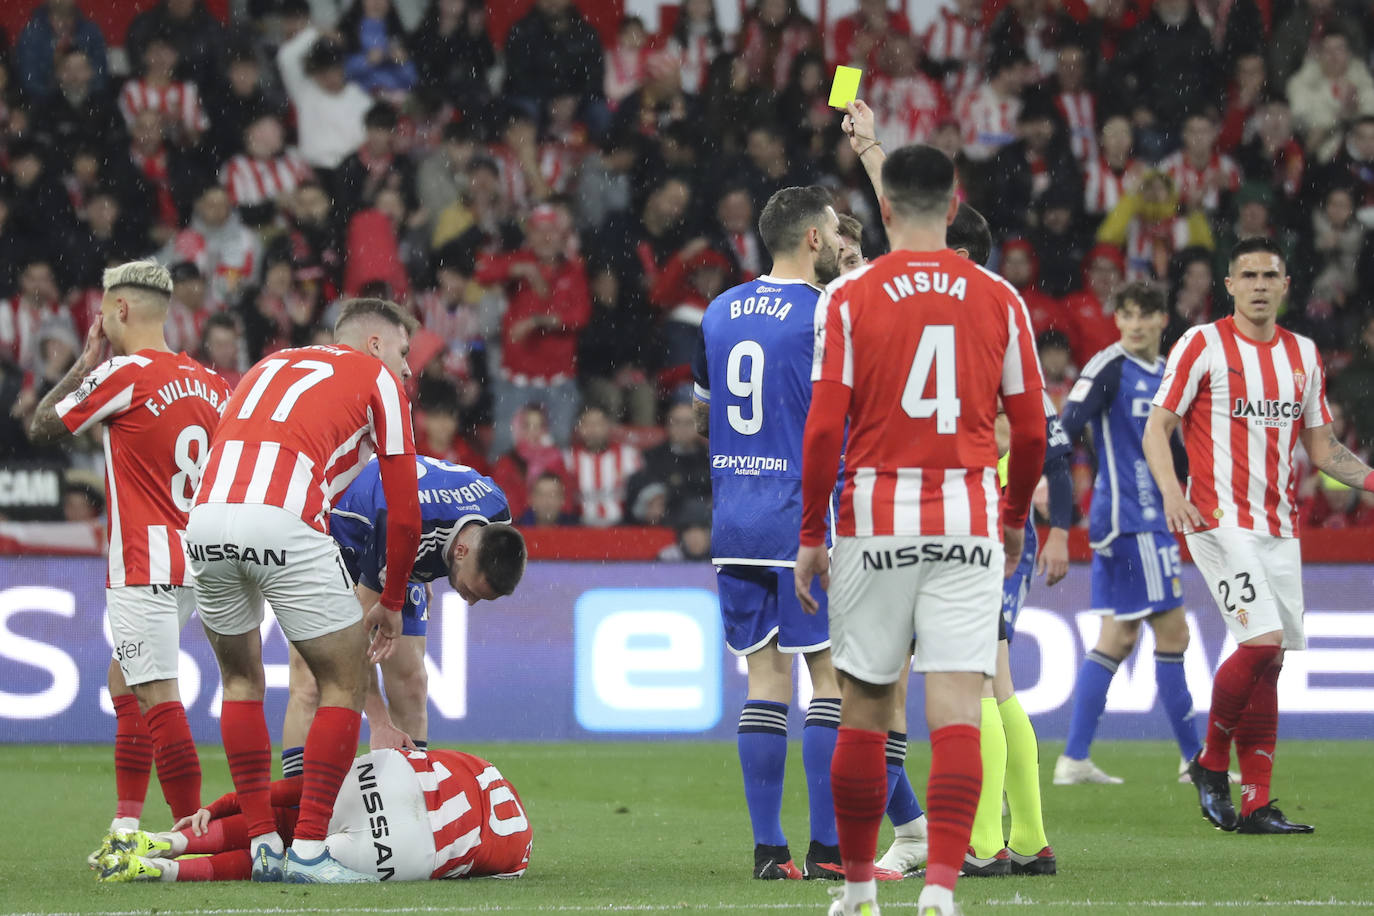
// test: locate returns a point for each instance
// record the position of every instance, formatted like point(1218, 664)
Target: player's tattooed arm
point(47, 427)
point(701, 411)
point(1329, 455)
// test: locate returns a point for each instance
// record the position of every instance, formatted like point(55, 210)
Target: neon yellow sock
point(1023, 779)
point(987, 823)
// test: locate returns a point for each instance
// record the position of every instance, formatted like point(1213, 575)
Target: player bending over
point(1135, 570)
point(916, 549)
point(157, 410)
point(466, 538)
point(1246, 391)
point(399, 816)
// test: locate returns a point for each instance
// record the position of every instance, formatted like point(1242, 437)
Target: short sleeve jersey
point(158, 411)
point(753, 367)
point(300, 426)
point(1243, 403)
point(927, 342)
point(451, 495)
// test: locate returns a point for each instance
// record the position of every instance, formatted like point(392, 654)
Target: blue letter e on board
point(647, 660)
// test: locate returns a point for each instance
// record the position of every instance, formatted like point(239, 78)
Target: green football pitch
point(660, 827)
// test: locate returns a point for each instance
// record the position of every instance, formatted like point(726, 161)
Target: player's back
point(479, 822)
point(757, 343)
point(159, 411)
point(927, 342)
point(300, 426)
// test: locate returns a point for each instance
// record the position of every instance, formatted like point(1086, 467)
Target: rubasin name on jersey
point(771, 306)
point(211, 553)
point(467, 495)
point(376, 821)
point(925, 281)
point(748, 464)
point(1266, 409)
point(927, 553)
point(177, 389)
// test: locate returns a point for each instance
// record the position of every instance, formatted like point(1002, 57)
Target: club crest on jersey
point(1299, 380)
point(1243, 617)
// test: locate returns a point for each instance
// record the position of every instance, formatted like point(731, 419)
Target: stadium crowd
point(558, 213)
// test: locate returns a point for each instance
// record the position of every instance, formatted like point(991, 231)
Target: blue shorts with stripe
point(415, 614)
point(1015, 589)
point(1137, 576)
point(758, 603)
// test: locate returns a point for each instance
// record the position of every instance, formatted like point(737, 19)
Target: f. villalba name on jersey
point(928, 553)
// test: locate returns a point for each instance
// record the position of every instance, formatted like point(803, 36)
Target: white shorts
point(944, 590)
point(145, 623)
point(1256, 581)
point(242, 554)
point(380, 824)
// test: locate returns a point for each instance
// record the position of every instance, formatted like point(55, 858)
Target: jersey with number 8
point(300, 427)
point(158, 411)
point(927, 342)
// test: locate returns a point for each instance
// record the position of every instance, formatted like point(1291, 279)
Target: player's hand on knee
point(197, 823)
point(811, 562)
point(385, 626)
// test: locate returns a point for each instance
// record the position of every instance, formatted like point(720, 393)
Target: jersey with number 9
point(299, 428)
point(158, 411)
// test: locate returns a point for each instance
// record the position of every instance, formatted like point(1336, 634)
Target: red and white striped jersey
point(480, 827)
point(988, 121)
point(459, 324)
point(951, 39)
point(1243, 404)
point(183, 326)
point(254, 181)
point(299, 428)
point(558, 163)
point(696, 56)
point(159, 411)
point(1079, 110)
point(926, 342)
point(1201, 187)
point(1103, 186)
point(907, 109)
point(20, 323)
point(178, 102)
point(600, 478)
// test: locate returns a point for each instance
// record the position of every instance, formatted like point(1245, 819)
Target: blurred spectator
point(616, 353)
point(310, 239)
point(859, 39)
point(734, 102)
point(221, 347)
point(373, 249)
point(1243, 97)
point(453, 53)
point(766, 167)
point(1148, 225)
point(57, 349)
point(1273, 154)
point(15, 403)
point(599, 468)
point(550, 51)
point(217, 242)
point(483, 209)
point(450, 310)
point(375, 166)
point(693, 543)
point(1335, 506)
point(549, 304)
point(605, 180)
point(1025, 169)
point(1351, 386)
point(197, 35)
point(736, 233)
point(329, 108)
point(1021, 269)
point(80, 110)
point(697, 41)
point(1056, 361)
point(177, 102)
point(676, 474)
point(684, 288)
point(1330, 258)
point(1059, 241)
point(1331, 89)
point(1113, 172)
point(82, 501)
point(1297, 37)
point(104, 236)
point(169, 178)
point(234, 103)
point(774, 33)
point(23, 317)
point(1026, 26)
point(440, 177)
point(638, 245)
point(55, 27)
point(14, 248)
point(523, 175)
point(39, 208)
point(547, 500)
point(625, 60)
point(1076, 102)
point(1353, 166)
point(267, 171)
point(907, 104)
point(1091, 322)
point(1203, 177)
point(659, 102)
point(530, 454)
point(1166, 68)
point(1191, 292)
point(277, 313)
point(1254, 206)
point(954, 47)
point(438, 434)
point(188, 309)
point(374, 42)
point(989, 113)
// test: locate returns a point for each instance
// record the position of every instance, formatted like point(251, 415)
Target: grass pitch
point(658, 827)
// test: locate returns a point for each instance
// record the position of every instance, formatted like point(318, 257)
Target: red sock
point(225, 866)
point(858, 783)
point(1231, 689)
point(329, 750)
point(133, 757)
point(249, 752)
point(956, 781)
point(1256, 735)
point(178, 766)
point(222, 835)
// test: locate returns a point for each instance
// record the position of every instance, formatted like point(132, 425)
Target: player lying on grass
point(400, 816)
point(465, 538)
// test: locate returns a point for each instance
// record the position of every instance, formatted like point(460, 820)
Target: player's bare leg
point(818, 750)
point(953, 714)
point(762, 745)
point(908, 850)
point(407, 687)
point(858, 779)
point(1116, 640)
point(303, 698)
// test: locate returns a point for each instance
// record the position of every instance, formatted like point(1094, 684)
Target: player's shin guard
point(133, 757)
point(1022, 779)
point(1177, 701)
point(1256, 736)
point(986, 838)
point(956, 780)
point(1089, 699)
point(248, 749)
point(329, 750)
point(178, 765)
point(818, 749)
point(858, 779)
point(1231, 689)
point(902, 805)
point(762, 742)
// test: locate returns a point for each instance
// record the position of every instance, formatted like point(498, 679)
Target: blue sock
point(818, 746)
point(902, 805)
point(292, 762)
point(1089, 699)
point(763, 758)
point(1178, 702)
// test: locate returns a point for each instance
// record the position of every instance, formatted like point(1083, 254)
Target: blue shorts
point(415, 614)
point(760, 602)
point(1137, 576)
point(1015, 589)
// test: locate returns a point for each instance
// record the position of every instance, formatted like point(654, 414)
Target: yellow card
point(845, 89)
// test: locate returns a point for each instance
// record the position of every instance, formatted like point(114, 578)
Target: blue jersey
point(754, 369)
point(1113, 396)
point(451, 495)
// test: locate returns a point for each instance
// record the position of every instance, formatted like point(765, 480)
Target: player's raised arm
point(48, 424)
point(861, 126)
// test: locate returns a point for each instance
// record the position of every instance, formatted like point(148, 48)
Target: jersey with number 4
point(158, 411)
point(754, 369)
point(300, 426)
point(926, 342)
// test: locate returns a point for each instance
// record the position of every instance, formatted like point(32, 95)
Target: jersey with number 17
point(754, 369)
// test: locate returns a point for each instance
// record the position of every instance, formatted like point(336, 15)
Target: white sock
point(912, 829)
point(271, 840)
point(942, 898)
point(123, 823)
point(170, 868)
point(308, 849)
point(856, 892)
point(177, 839)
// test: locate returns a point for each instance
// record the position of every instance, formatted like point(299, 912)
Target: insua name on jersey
point(926, 281)
point(771, 306)
point(177, 389)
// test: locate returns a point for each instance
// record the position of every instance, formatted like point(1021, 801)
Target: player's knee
point(1118, 638)
point(1171, 632)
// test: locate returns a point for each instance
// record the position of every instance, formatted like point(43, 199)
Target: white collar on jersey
point(784, 281)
